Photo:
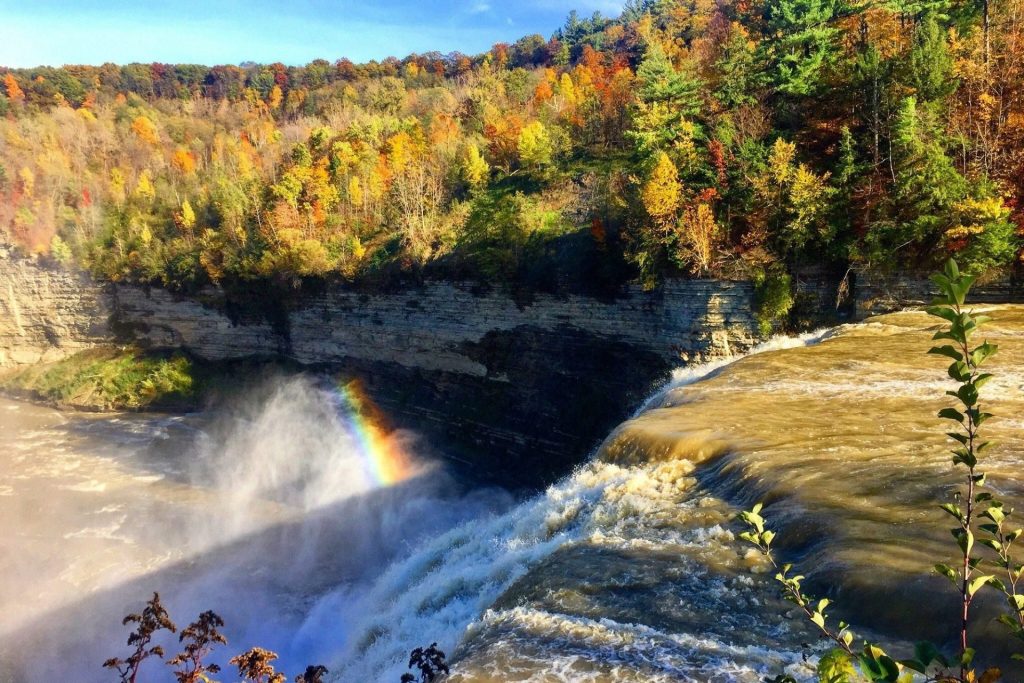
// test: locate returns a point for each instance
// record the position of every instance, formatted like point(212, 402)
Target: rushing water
point(254, 512)
point(627, 570)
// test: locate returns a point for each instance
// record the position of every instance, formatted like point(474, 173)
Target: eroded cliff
point(514, 389)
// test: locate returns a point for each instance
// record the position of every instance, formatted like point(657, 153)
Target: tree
point(145, 129)
point(154, 618)
point(184, 161)
point(928, 185)
point(802, 42)
point(930, 64)
point(473, 168)
point(535, 148)
point(665, 100)
point(14, 92)
point(791, 199)
point(200, 637)
point(662, 192)
point(144, 186)
point(698, 237)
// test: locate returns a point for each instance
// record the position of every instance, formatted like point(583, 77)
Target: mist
point(268, 510)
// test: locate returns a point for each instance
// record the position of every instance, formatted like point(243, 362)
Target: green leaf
point(975, 585)
point(943, 312)
point(959, 371)
point(953, 510)
point(956, 436)
point(968, 393)
point(948, 351)
point(997, 584)
point(983, 353)
point(951, 270)
point(964, 539)
point(995, 513)
point(948, 572)
point(951, 414)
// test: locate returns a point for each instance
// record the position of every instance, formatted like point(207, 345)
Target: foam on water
point(445, 589)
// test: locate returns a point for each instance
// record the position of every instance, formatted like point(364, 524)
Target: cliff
point(515, 389)
point(48, 313)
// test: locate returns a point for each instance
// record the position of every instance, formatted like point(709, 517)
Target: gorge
point(626, 568)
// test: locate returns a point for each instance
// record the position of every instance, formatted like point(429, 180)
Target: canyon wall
point(47, 313)
point(878, 292)
point(516, 388)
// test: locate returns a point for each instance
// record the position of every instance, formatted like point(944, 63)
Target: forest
point(694, 138)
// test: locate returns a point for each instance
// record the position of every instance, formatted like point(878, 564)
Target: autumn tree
point(14, 92)
point(662, 192)
point(698, 239)
point(145, 129)
point(535, 146)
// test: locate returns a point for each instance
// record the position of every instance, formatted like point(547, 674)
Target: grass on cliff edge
point(110, 379)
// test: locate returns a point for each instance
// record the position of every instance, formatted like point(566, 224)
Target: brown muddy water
point(627, 570)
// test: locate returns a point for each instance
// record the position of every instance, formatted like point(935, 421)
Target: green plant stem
point(801, 601)
point(968, 520)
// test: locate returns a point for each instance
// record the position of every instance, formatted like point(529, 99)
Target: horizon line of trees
point(685, 137)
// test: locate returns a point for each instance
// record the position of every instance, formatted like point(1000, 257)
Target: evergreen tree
point(930, 65)
point(802, 43)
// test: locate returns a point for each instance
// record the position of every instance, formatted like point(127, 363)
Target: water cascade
point(318, 537)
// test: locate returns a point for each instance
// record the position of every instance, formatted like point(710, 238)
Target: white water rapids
point(626, 570)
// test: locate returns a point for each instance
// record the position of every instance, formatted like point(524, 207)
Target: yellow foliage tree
point(144, 186)
point(28, 180)
point(355, 192)
point(275, 98)
point(662, 191)
point(117, 185)
point(187, 218)
point(535, 147)
point(473, 168)
point(699, 236)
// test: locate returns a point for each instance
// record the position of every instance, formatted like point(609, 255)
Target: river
point(325, 545)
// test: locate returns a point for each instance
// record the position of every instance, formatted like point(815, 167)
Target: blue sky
point(52, 32)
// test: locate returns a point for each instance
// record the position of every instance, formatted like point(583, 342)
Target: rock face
point(436, 327)
point(518, 390)
point(48, 313)
point(884, 293)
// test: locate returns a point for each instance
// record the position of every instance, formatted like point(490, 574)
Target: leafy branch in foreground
point(431, 663)
point(199, 639)
point(256, 665)
point(153, 618)
point(968, 507)
point(202, 635)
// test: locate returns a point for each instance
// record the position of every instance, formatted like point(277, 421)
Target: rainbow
point(386, 462)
